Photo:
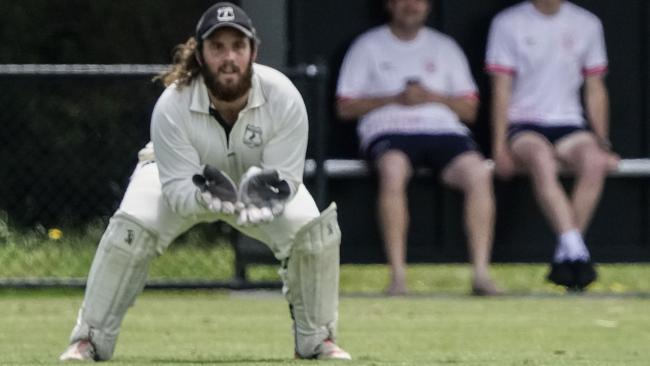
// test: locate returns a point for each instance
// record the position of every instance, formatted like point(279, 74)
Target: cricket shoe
point(584, 273)
point(562, 274)
point(328, 350)
point(79, 351)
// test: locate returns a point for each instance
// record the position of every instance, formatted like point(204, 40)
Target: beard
point(232, 91)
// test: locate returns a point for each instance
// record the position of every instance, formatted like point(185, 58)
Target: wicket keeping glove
point(217, 191)
point(262, 196)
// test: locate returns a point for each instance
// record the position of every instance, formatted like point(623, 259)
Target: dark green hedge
point(68, 145)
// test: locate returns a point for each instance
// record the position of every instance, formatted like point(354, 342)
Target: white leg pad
point(311, 282)
point(117, 275)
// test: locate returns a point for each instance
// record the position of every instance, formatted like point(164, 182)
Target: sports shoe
point(79, 351)
point(562, 274)
point(328, 350)
point(584, 273)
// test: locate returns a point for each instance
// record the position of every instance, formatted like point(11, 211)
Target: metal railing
point(355, 168)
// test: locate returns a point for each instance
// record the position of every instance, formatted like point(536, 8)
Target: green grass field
point(253, 328)
point(536, 324)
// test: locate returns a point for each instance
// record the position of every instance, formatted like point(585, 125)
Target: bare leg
point(536, 155)
point(394, 171)
point(571, 266)
point(472, 175)
point(590, 165)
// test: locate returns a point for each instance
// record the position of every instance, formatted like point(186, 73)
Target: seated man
point(221, 116)
point(411, 86)
point(539, 54)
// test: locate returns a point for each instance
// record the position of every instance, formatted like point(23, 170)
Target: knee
point(594, 166)
point(483, 175)
point(543, 163)
point(394, 172)
point(479, 179)
point(320, 234)
point(534, 154)
point(543, 169)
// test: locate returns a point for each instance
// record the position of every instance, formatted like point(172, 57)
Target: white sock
point(571, 247)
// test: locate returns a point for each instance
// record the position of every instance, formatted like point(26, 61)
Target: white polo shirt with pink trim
point(380, 64)
point(548, 57)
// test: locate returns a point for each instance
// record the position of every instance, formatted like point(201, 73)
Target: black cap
point(224, 14)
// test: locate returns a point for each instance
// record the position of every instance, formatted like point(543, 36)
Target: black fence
point(69, 143)
point(71, 135)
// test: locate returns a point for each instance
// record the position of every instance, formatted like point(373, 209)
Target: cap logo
point(225, 14)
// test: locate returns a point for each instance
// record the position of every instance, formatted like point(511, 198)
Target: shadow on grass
point(507, 295)
point(228, 361)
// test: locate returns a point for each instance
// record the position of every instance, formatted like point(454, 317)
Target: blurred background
point(69, 142)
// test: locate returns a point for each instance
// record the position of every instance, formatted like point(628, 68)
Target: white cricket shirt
point(379, 64)
point(548, 57)
point(270, 132)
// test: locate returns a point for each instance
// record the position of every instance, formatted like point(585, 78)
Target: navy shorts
point(433, 151)
point(552, 134)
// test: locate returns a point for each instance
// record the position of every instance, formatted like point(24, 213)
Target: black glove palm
point(262, 196)
point(218, 191)
point(264, 189)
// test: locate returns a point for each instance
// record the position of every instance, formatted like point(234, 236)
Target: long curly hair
point(185, 66)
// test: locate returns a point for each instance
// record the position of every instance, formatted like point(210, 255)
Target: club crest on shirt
point(530, 41)
point(385, 66)
point(253, 136)
point(430, 67)
point(568, 41)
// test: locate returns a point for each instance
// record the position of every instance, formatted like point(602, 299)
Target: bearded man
point(230, 138)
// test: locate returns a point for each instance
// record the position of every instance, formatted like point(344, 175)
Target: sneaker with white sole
point(328, 350)
point(79, 351)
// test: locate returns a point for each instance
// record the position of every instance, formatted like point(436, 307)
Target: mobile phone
point(412, 81)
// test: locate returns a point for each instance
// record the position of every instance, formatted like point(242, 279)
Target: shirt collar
point(200, 101)
point(257, 97)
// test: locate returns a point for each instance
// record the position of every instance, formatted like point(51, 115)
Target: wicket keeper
point(230, 137)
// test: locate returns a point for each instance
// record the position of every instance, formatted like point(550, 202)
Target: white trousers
point(144, 201)
point(119, 269)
